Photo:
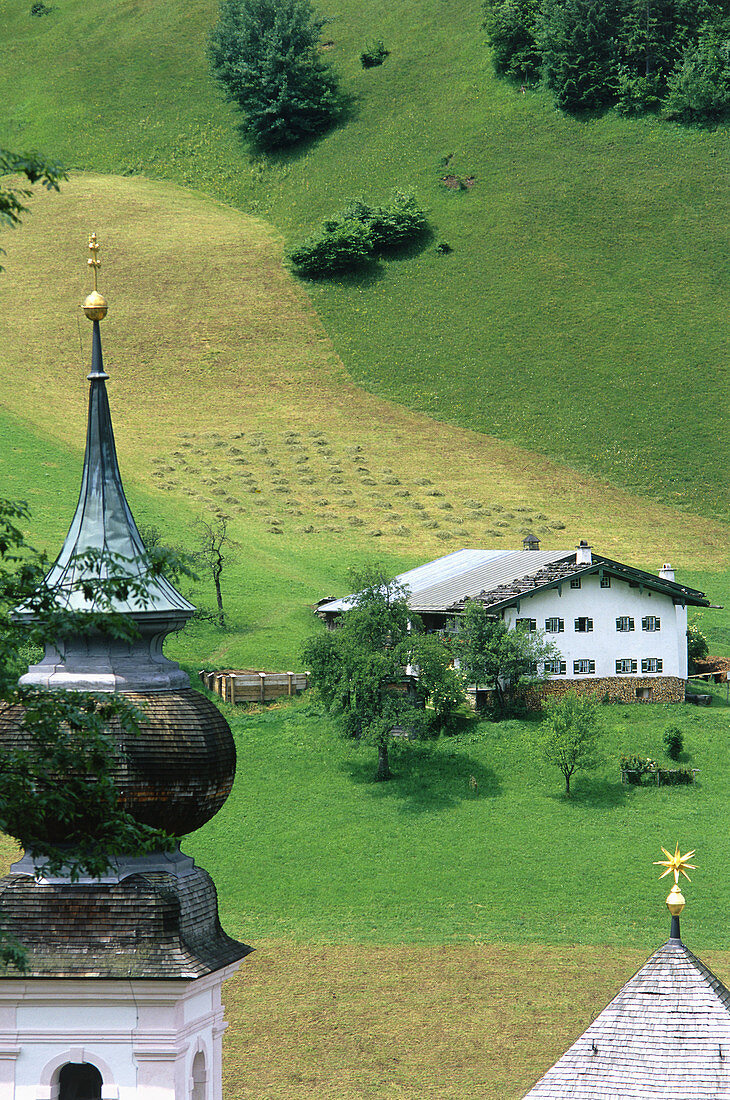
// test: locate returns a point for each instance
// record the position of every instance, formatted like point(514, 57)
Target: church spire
point(103, 522)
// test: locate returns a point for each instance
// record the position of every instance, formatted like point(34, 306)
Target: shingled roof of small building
point(552, 574)
point(665, 1035)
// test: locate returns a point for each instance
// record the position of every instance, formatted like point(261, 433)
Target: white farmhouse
point(620, 631)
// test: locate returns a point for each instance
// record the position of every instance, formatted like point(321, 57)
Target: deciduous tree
point(266, 55)
point(493, 656)
point(359, 668)
point(569, 735)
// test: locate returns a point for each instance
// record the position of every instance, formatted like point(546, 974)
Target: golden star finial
point(676, 863)
point(95, 306)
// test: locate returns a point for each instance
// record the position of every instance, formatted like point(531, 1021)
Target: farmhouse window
point(575, 582)
point(583, 625)
point(651, 664)
point(555, 668)
point(651, 622)
point(605, 582)
point(625, 664)
point(583, 667)
point(554, 626)
point(624, 623)
point(528, 625)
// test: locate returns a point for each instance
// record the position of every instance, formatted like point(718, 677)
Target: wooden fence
point(254, 687)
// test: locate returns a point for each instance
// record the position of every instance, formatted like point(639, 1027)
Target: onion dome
point(174, 774)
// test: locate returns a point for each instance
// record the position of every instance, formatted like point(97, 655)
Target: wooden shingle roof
point(152, 925)
point(665, 1035)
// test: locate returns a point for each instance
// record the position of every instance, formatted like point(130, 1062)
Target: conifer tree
point(266, 55)
point(578, 42)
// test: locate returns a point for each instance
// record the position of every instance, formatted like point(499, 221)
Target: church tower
point(121, 995)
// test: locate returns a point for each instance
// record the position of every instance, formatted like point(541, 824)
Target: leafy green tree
point(359, 668)
point(265, 53)
point(570, 733)
point(493, 656)
point(697, 646)
point(578, 43)
point(32, 168)
point(511, 27)
point(439, 683)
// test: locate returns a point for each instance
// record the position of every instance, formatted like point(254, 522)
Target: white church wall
point(142, 1036)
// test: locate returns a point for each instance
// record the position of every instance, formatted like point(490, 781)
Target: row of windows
point(584, 625)
point(605, 582)
point(586, 667)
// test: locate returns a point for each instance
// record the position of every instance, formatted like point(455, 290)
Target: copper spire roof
point(103, 521)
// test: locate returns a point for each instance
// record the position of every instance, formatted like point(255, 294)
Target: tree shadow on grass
point(409, 249)
point(283, 155)
point(598, 794)
point(425, 779)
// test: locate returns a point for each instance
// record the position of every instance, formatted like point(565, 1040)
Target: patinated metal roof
point(103, 521)
point(665, 1035)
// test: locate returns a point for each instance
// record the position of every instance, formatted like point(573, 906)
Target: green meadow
point(588, 258)
point(562, 370)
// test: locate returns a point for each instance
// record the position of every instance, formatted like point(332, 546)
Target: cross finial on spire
point(95, 306)
point(94, 262)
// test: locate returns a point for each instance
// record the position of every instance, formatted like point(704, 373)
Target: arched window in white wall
point(79, 1081)
point(200, 1077)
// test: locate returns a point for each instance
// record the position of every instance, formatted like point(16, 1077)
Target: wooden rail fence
point(254, 687)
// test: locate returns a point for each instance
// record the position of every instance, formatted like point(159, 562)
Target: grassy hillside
point(581, 311)
point(308, 848)
point(236, 401)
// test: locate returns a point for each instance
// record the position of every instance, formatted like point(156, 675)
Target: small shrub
point(635, 767)
point(442, 248)
point(673, 742)
point(675, 777)
point(636, 94)
point(341, 245)
point(697, 646)
point(374, 54)
point(403, 220)
point(39, 8)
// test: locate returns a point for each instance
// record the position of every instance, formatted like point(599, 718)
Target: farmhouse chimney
point(583, 554)
point(666, 572)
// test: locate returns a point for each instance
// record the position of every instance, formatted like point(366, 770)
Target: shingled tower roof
point(665, 1035)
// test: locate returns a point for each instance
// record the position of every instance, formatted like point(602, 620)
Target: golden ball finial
point(95, 305)
point(675, 901)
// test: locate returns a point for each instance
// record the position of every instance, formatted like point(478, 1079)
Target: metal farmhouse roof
point(665, 1035)
point(498, 578)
